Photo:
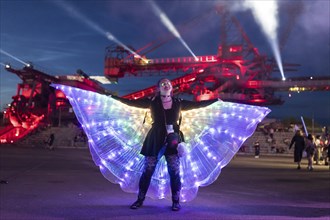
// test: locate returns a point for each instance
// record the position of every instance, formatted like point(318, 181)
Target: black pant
point(173, 167)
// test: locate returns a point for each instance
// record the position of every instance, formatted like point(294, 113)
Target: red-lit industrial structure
point(237, 73)
point(37, 104)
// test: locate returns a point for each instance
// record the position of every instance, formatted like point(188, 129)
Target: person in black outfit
point(299, 146)
point(327, 161)
point(310, 150)
point(165, 112)
point(50, 141)
point(256, 149)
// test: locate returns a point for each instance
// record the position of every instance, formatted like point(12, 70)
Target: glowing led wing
point(115, 134)
point(214, 134)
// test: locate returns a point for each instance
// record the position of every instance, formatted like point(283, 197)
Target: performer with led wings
point(213, 131)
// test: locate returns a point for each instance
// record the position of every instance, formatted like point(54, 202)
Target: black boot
point(176, 206)
point(176, 202)
point(137, 204)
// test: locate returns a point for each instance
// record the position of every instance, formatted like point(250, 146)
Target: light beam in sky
point(80, 17)
point(12, 56)
point(169, 25)
point(266, 15)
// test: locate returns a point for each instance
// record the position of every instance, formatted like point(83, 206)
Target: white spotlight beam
point(169, 25)
point(80, 17)
point(12, 56)
point(266, 15)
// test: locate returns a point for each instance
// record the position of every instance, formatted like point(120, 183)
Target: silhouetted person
point(271, 133)
point(310, 150)
point(256, 149)
point(299, 146)
point(318, 149)
point(50, 141)
point(328, 152)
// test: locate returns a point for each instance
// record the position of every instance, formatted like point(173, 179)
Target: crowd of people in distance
point(315, 148)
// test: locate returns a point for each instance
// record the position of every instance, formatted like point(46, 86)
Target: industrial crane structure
point(238, 72)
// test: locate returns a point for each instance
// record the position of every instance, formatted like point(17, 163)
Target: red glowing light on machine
point(235, 49)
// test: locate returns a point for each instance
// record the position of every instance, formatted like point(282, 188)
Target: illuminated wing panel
point(116, 133)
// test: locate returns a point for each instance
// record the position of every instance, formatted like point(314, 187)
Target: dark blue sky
point(59, 42)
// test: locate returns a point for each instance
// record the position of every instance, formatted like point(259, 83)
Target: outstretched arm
point(188, 105)
point(139, 103)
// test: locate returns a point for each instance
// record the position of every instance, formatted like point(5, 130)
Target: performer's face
point(165, 87)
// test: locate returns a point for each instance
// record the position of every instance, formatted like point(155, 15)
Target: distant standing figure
point(318, 152)
point(256, 149)
point(50, 141)
point(310, 149)
point(271, 133)
point(327, 161)
point(299, 146)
